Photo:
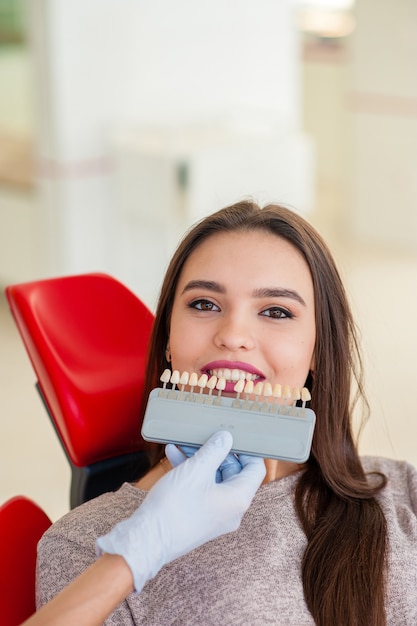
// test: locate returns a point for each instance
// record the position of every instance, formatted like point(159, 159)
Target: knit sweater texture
point(248, 577)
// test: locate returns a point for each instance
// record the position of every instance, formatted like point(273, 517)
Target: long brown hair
point(343, 568)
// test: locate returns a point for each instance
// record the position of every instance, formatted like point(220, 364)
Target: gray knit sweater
point(249, 577)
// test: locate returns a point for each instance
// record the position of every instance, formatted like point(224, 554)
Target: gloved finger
point(252, 474)
point(174, 454)
point(189, 451)
point(230, 466)
point(214, 451)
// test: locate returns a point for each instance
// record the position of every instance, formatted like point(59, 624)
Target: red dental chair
point(86, 337)
point(22, 523)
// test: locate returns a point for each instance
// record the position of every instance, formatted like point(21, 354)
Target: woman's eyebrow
point(278, 292)
point(262, 292)
point(209, 285)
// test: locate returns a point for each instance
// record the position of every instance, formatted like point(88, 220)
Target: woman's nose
point(234, 333)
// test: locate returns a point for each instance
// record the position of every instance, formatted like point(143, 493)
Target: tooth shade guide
point(268, 398)
point(282, 433)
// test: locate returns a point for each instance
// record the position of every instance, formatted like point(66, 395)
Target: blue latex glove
point(185, 509)
point(178, 454)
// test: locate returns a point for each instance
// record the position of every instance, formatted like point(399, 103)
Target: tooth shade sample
point(165, 376)
point(305, 394)
point(202, 381)
point(295, 394)
point(211, 383)
point(184, 378)
point(239, 385)
point(277, 391)
point(221, 383)
point(257, 390)
point(175, 378)
point(248, 387)
point(193, 379)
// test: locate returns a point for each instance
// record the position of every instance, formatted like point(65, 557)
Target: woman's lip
point(232, 365)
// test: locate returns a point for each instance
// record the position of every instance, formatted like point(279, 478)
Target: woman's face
point(245, 301)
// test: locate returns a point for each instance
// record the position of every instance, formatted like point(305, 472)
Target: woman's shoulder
point(391, 467)
point(401, 477)
point(86, 522)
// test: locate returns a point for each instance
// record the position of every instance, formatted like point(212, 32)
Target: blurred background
point(122, 122)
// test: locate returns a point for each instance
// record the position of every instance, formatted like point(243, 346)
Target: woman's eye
point(203, 305)
point(277, 312)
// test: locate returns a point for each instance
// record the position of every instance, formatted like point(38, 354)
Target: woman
point(331, 542)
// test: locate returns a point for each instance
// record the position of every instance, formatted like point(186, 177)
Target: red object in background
point(22, 523)
point(87, 338)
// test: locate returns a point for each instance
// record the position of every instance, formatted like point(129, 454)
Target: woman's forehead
point(252, 255)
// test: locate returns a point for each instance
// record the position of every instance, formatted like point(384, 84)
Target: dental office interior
point(122, 122)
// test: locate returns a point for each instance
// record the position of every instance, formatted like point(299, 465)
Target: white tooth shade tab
point(295, 394)
point(175, 378)
point(305, 395)
point(165, 376)
point(277, 391)
point(257, 390)
point(239, 385)
point(221, 383)
point(202, 381)
point(184, 378)
point(249, 387)
point(211, 383)
point(267, 390)
point(193, 380)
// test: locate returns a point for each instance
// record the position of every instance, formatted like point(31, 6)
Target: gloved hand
point(178, 454)
point(184, 509)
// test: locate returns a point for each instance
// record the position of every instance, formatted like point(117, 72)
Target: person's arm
point(183, 510)
point(89, 599)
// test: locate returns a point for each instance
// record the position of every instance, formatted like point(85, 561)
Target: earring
point(168, 355)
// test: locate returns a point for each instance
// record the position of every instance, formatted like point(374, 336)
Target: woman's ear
point(168, 354)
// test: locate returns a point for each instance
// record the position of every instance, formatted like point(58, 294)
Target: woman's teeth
point(233, 375)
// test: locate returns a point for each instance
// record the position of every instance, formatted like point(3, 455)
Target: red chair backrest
point(22, 523)
point(87, 337)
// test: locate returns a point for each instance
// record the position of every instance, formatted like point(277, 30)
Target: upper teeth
point(234, 374)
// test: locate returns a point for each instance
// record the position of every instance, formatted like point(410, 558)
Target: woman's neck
point(274, 471)
point(279, 469)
